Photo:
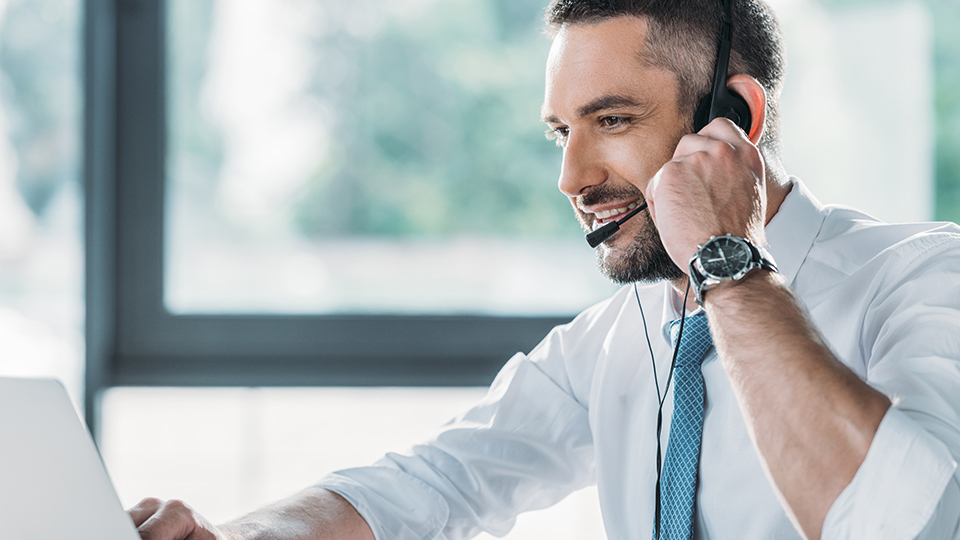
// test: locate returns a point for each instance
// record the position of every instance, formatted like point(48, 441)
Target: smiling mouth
point(606, 216)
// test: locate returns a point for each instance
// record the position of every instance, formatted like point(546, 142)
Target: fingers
point(171, 520)
point(144, 509)
point(713, 185)
point(711, 137)
point(721, 146)
point(723, 129)
point(649, 195)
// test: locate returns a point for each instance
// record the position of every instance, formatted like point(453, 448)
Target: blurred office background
point(374, 158)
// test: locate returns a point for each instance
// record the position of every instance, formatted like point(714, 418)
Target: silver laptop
point(52, 482)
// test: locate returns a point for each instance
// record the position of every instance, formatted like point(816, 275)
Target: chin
point(639, 259)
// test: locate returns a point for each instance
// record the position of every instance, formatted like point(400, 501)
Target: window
point(175, 160)
point(210, 265)
point(250, 447)
point(328, 157)
point(41, 210)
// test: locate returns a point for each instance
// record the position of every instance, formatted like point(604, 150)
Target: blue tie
point(678, 484)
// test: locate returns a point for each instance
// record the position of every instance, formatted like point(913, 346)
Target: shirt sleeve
point(907, 477)
point(525, 446)
point(907, 486)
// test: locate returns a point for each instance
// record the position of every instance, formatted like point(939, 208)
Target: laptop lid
point(53, 484)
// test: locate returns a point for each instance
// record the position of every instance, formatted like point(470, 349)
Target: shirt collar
point(790, 235)
point(793, 229)
point(672, 310)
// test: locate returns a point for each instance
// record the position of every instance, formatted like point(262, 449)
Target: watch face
point(724, 257)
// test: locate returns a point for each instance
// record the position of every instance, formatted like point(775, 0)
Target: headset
point(720, 102)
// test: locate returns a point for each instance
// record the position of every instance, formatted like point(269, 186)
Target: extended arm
point(314, 514)
point(525, 446)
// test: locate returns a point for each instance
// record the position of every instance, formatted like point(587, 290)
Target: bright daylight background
point(386, 156)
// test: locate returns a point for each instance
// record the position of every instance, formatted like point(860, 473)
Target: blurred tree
point(435, 117)
point(438, 125)
point(40, 63)
point(192, 139)
point(945, 15)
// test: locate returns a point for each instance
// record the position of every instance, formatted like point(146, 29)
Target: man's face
point(618, 123)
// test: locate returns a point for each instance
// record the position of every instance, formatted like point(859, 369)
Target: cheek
point(636, 160)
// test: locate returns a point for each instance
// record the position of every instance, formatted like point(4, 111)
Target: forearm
point(314, 514)
point(811, 418)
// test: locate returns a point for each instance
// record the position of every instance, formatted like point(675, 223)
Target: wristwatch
point(725, 258)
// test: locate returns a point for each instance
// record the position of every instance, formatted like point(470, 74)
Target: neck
point(679, 286)
point(778, 186)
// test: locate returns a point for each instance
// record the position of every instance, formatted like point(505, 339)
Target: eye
point(558, 134)
point(614, 121)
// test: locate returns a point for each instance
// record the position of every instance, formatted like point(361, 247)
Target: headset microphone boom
point(719, 102)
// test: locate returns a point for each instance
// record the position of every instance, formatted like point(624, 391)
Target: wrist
point(725, 259)
point(728, 290)
point(240, 530)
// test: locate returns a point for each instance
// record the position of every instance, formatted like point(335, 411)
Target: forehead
point(588, 61)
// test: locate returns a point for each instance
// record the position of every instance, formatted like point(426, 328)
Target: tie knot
point(696, 338)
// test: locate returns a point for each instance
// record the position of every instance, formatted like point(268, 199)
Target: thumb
point(143, 510)
point(650, 195)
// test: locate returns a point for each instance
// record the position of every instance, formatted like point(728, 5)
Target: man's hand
point(171, 520)
point(314, 513)
point(713, 186)
point(811, 418)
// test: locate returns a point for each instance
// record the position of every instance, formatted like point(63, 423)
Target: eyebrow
point(602, 103)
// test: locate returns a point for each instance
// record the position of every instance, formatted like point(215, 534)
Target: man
point(799, 434)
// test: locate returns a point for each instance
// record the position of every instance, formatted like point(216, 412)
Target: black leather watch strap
point(702, 281)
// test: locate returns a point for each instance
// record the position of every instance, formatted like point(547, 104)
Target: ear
point(750, 90)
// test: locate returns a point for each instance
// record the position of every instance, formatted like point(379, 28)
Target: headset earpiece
point(721, 101)
point(730, 106)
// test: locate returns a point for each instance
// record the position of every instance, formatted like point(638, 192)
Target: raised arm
point(811, 418)
point(312, 514)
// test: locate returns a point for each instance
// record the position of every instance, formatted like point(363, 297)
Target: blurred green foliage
point(39, 61)
point(193, 138)
point(437, 126)
point(945, 16)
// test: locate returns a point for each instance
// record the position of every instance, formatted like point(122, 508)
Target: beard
point(644, 259)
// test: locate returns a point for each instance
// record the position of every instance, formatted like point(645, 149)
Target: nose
point(582, 167)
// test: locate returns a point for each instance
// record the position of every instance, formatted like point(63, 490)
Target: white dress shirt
point(581, 407)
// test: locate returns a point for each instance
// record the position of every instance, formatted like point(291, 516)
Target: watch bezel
point(746, 266)
point(703, 281)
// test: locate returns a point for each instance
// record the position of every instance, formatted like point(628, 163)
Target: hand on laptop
point(171, 520)
point(314, 513)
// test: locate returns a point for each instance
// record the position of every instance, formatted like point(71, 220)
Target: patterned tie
point(678, 484)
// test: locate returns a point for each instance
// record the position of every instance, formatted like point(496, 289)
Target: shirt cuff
point(898, 486)
point(394, 504)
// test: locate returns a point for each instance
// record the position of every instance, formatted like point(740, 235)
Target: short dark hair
point(683, 36)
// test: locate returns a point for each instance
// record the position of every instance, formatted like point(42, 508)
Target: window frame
point(133, 340)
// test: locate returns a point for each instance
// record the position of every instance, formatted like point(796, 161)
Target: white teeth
point(604, 214)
